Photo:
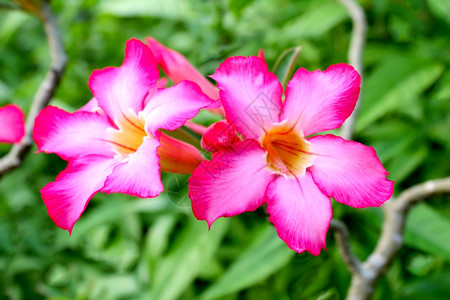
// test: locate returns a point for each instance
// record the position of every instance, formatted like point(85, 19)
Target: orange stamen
point(130, 135)
point(288, 153)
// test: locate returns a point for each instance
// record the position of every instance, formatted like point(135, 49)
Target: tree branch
point(45, 92)
point(366, 275)
point(391, 239)
point(355, 52)
point(342, 240)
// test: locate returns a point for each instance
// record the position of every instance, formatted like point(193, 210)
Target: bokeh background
point(130, 248)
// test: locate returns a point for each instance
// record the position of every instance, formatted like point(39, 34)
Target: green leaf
point(121, 253)
point(167, 9)
point(157, 239)
point(329, 295)
point(421, 265)
point(10, 23)
point(403, 165)
point(432, 287)
point(266, 254)
point(111, 210)
point(192, 252)
point(317, 20)
point(237, 6)
point(112, 287)
point(428, 231)
point(443, 90)
point(393, 85)
point(25, 264)
point(440, 8)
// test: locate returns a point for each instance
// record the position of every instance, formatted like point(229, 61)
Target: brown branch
point(45, 92)
point(391, 239)
point(366, 275)
point(356, 49)
point(342, 240)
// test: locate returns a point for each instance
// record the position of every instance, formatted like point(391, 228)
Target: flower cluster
point(266, 151)
point(114, 143)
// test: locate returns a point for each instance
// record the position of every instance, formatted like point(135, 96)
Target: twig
point(355, 52)
point(46, 90)
point(391, 239)
point(366, 275)
point(342, 240)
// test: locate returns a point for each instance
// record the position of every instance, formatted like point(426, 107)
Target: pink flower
point(280, 163)
point(113, 144)
point(12, 127)
point(178, 68)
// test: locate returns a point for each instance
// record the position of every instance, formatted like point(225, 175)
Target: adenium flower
point(113, 144)
point(11, 124)
point(280, 162)
point(178, 68)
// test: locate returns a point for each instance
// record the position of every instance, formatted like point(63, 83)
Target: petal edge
point(349, 172)
point(317, 101)
point(300, 212)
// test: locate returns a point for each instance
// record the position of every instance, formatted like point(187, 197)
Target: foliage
point(124, 247)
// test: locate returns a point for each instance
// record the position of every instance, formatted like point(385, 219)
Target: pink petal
point(300, 212)
point(92, 106)
point(71, 136)
point(197, 128)
point(178, 68)
point(118, 90)
point(171, 107)
point(349, 172)
point(250, 94)
point(233, 182)
point(318, 101)
point(161, 83)
point(12, 127)
point(68, 196)
point(176, 156)
point(261, 54)
point(139, 176)
point(219, 136)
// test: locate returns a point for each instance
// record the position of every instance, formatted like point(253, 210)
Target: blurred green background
point(130, 248)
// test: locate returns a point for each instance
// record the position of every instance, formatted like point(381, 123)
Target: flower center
point(288, 153)
point(130, 135)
